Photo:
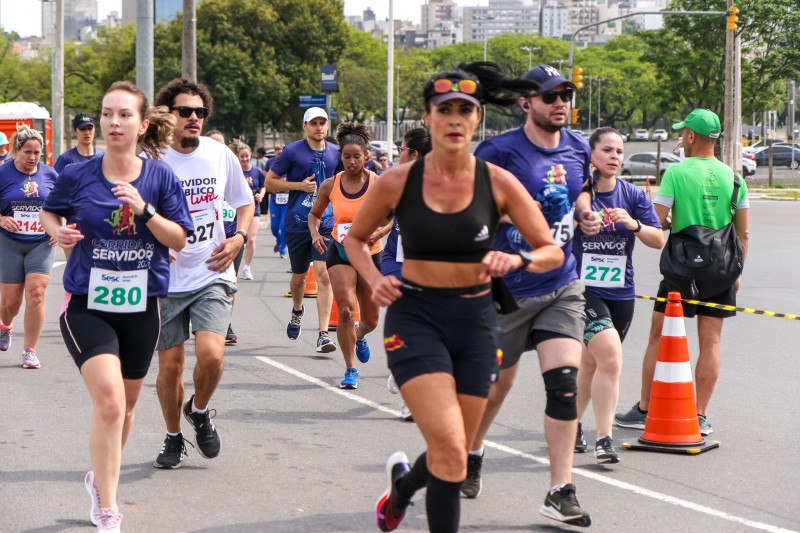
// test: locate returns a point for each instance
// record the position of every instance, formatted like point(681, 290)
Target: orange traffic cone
point(672, 424)
point(311, 285)
point(334, 320)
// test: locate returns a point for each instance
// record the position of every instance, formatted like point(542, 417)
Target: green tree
point(362, 76)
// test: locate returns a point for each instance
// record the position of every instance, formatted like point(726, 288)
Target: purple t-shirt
point(553, 176)
point(255, 179)
point(72, 156)
point(389, 263)
point(113, 238)
point(602, 278)
point(21, 197)
point(296, 162)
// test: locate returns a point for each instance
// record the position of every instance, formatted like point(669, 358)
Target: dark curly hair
point(352, 133)
point(166, 96)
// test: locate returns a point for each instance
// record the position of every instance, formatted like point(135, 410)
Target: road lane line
point(666, 498)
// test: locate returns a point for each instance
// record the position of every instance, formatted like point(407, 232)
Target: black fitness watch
point(243, 234)
point(638, 227)
point(526, 259)
point(148, 213)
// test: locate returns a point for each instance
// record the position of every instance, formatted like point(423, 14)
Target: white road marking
point(641, 491)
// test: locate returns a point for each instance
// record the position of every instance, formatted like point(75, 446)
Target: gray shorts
point(558, 314)
point(207, 309)
point(23, 258)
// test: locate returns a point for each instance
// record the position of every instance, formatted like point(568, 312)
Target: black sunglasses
point(185, 111)
point(550, 97)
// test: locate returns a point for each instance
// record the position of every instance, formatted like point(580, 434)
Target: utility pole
point(58, 84)
point(144, 47)
point(189, 45)
point(732, 124)
point(599, 82)
point(589, 127)
point(390, 85)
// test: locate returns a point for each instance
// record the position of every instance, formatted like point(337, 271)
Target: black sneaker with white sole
point(580, 441)
point(472, 486)
point(604, 451)
point(205, 434)
point(563, 506)
point(173, 452)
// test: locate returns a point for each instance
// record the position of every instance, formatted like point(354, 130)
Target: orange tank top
point(345, 207)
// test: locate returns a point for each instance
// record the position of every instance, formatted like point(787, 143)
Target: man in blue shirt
point(84, 128)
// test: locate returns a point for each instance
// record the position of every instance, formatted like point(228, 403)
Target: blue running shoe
point(350, 380)
point(293, 329)
point(362, 350)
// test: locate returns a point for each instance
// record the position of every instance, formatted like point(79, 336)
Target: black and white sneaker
point(580, 441)
point(205, 434)
point(563, 506)
point(173, 452)
point(604, 451)
point(324, 343)
point(472, 486)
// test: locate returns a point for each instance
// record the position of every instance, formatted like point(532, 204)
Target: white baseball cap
point(314, 112)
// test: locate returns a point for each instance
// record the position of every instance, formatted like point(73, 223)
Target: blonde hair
point(23, 134)
point(237, 145)
point(158, 134)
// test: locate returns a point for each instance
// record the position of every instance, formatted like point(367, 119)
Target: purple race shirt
point(554, 177)
point(603, 272)
point(21, 197)
point(114, 239)
point(72, 156)
point(255, 179)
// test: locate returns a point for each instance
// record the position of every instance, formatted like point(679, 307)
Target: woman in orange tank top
point(345, 192)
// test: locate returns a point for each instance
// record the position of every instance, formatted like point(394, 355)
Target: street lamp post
point(485, 50)
point(599, 82)
point(397, 97)
point(530, 49)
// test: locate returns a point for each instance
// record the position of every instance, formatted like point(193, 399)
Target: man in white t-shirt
point(202, 278)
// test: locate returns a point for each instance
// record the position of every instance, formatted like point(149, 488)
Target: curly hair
point(352, 133)
point(166, 96)
point(21, 136)
point(158, 134)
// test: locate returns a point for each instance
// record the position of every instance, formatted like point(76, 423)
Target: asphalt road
point(298, 455)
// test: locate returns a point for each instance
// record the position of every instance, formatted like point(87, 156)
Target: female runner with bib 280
point(345, 192)
point(125, 214)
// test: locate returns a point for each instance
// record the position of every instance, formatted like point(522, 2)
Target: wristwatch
point(243, 234)
point(638, 227)
point(526, 259)
point(148, 213)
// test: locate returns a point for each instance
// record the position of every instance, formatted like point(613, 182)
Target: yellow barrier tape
point(725, 307)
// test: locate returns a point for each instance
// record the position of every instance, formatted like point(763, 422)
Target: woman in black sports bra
point(441, 335)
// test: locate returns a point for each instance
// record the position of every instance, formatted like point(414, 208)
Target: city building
point(163, 10)
point(499, 17)
point(554, 20)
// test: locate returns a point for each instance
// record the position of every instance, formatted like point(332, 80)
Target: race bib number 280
point(118, 292)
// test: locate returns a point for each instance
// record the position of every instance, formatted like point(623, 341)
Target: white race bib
point(118, 292)
point(341, 231)
point(599, 270)
point(28, 223)
point(563, 230)
point(204, 224)
point(282, 198)
point(228, 213)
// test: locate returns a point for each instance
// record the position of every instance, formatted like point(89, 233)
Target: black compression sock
point(416, 479)
point(443, 504)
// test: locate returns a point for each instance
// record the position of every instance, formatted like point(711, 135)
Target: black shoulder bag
point(701, 262)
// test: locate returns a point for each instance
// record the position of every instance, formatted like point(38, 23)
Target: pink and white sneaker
point(94, 494)
point(109, 521)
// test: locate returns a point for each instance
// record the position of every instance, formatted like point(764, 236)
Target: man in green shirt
point(698, 192)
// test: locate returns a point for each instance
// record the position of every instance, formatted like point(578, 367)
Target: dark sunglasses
point(550, 97)
point(445, 86)
point(185, 111)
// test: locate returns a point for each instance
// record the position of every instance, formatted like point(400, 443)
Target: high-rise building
point(163, 10)
point(554, 19)
point(78, 14)
point(436, 14)
point(501, 16)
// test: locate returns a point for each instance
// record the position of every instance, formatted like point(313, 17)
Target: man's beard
point(190, 142)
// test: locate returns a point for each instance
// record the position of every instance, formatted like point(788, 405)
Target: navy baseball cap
point(547, 78)
point(82, 120)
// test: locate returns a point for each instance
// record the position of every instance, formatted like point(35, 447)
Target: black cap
point(547, 77)
point(82, 120)
point(261, 150)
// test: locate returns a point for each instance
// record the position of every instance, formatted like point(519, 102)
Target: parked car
point(641, 135)
point(748, 166)
point(678, 150)
point(624, 134)
point(382, 145)
point(782, 155)
point(763, 143)
point(660, 134)
point(644, 164)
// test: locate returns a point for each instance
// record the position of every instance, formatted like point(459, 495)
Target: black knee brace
point(561, 385)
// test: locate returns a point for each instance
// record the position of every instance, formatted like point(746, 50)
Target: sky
point(25, 19)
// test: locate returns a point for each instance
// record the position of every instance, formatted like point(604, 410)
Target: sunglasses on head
point(185, 111)
point(550, 97)
point(446, 85)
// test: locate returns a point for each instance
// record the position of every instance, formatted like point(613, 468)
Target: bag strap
point(735, 195)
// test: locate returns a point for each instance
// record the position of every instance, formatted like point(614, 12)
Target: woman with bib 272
point(125, 213)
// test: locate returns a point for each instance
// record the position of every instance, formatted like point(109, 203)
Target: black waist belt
point(445, 291)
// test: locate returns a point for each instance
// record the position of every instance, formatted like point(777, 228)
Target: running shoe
point(405, 412)
point(284, 256)
point(205, 434)
point(276, 248)
point(231, 337)
point(563, 506)
point(362, 350)
point(634, 419)
point(350, 380)
point(5, 339)
point(472, 486)
point(29, 360)
point(391, 384)
point(580, 441)
point(604, 451)
point(246, 274)
point(324, 343)
point(94, 494)
point(173, 452)
point(293, 329)
point(109, 521)
point(390, 511)
point(705, 426)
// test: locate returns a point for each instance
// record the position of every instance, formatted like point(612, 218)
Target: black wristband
point(243, 234)
point(638, 227)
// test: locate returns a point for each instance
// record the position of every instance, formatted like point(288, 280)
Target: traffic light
point(576, 116)
point(733, 18)
point(577, 77)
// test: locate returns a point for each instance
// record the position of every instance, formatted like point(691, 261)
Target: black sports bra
point(462, 237)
